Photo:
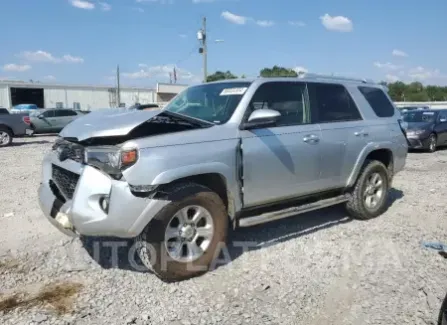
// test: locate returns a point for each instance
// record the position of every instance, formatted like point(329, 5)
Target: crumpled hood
point(106, 123)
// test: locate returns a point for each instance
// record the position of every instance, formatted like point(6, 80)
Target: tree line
point(398, 91)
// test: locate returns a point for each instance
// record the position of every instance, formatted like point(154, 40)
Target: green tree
point(220, 75)
point(416, 92)
point(277, 71)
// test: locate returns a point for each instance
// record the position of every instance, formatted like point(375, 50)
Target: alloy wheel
point(189, 233)
point(374, 190)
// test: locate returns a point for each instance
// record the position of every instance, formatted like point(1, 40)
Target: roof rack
point(333, 78)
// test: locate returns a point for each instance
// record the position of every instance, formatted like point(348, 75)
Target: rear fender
point(370, 147)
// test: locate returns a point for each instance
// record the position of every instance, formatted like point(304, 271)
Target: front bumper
point(127, 214)
point(416, 142)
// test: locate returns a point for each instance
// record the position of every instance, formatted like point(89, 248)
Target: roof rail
point(333, 78)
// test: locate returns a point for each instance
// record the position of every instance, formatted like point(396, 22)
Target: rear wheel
point(5, 137)
point(184, 238)
point(432, 143)
point(368, 198)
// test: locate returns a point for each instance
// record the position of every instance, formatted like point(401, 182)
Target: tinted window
point(331, 103)
point(416, 116)
point(288, 98)
point(379, 102)
point(64, 112)
point(48, 113)
point(4, 111)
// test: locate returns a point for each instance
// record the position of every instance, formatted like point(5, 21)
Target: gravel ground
point(317, 268)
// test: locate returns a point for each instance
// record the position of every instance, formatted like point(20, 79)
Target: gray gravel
point(318, 268)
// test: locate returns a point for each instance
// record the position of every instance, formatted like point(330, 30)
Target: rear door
point(344, 133)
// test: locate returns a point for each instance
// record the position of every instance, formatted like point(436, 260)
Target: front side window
point(331, 103)
point(288, 98)
point(378, 101)
point(214, 102)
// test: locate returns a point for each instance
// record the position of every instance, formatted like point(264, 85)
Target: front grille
point(65, 180)
point(69, 150)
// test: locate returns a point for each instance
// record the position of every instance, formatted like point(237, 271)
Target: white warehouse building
point(45, 95)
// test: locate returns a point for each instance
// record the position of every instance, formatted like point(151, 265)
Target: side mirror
point(40, 116)
point(442, 120)
point(262, 118)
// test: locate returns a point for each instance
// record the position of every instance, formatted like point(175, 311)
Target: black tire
point(9, 135)
point(356, 205)
point(432, 143)
point(442, 319)
point(152, 240)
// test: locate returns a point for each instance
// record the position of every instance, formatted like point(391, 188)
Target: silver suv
point(232, 153)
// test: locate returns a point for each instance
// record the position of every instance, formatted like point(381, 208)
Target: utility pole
point(118, 96)
point(201, 36)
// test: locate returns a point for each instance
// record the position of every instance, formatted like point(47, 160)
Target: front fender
point(222, 169)
point(370, 147)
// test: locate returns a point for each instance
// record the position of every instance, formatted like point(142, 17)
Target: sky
point(82, 41)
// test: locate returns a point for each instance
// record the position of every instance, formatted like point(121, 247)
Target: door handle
point(361, 133)
point(311, 138)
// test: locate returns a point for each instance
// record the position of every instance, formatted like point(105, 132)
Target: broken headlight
point(111, 160)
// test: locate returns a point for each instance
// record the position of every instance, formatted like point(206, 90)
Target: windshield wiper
point(191, 120)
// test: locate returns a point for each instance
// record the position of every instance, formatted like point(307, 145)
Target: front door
point(44, 122)
point(280, 162)
point(63, 117)
point(441, 128)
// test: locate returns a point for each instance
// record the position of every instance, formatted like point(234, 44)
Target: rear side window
point(65, 112)
point(379, 102)
point(331, 103)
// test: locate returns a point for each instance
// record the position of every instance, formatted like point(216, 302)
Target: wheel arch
point(8, 128)
point(383, 153)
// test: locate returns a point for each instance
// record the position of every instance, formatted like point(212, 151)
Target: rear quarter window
point(378, 101)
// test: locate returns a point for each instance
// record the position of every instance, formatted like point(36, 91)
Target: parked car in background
point(23, 108)
point(426, 129)
point(13, 125)
point(52, 120)
point(144, 107)
point(4, 110)
point(234, 153)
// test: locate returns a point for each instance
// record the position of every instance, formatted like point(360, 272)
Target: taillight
point(27, 120)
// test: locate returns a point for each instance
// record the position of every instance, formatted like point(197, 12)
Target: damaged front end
point(83, 190)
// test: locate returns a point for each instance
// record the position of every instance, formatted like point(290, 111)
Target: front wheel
point(368, 198)
point(432, 143)
point(185, 237)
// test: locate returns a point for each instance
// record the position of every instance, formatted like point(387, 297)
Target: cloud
point(387, 66)
point(392, 78)
point(183, 35)
point(49, 78)
point(300, 70)
point(234, 19)
point(297, 23)
point(42, 56)
point(163, 2)
point(421, 73)
point(265, 23)
point(73, 59)
point(399, 53)
point(105, 6)
point(83, 4)
point(160, 71)
point(337, 23)
point(16, 67)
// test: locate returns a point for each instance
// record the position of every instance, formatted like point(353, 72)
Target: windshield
point(418, 116)
point(214, 102)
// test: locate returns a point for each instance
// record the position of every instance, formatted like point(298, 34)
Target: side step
point(289, 212)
